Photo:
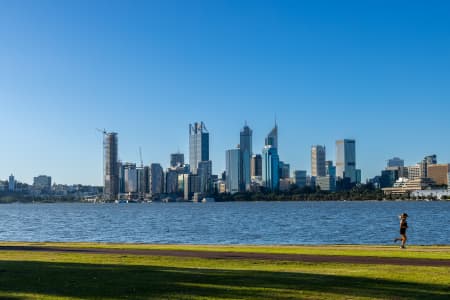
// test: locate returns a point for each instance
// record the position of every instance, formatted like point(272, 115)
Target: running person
point(403, 227)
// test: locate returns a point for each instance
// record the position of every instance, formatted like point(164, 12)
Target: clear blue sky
point(375, 71)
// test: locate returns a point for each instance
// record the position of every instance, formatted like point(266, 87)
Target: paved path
point(241, 255)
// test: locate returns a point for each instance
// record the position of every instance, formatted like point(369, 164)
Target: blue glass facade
point(270, 168)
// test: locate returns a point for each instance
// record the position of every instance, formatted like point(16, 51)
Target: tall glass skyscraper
point(233, 172)
point(245, 158)
point(198, 145)
point(270, 168)
point(346, 160)
point(318, 157)
point(272, 137)
point(110, 166)
point(176, 159)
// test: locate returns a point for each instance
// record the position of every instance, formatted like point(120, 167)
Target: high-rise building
point(395, 162)
point(346, 160)
point(121, 172)
point(171, 181)
point(245, 158)
point(156, 177)
point(111, 171)
point(130, 177)
point(176, 160)
point(427, 161)
point(300, 178)
point(270, 168)
point(143, 180)
point(330, 169)
point(11, 183)
point(272, 137)
point(198, 145)
point(233, 173)
point(204, 172)
point(318, 157)
point(256, 166)
point(284, 170)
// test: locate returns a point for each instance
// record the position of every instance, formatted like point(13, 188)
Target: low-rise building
point(404, 186)
point(326, 183)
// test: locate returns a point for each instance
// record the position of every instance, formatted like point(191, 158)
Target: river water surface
point(364, 222)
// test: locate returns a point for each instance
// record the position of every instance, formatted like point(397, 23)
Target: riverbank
point(117, 271)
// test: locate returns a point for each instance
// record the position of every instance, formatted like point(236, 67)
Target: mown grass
point(430, 252)
point(54, 275)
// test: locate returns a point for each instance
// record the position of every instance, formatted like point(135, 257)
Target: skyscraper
point(11, 183)
point(428, 160)
point(272, 137)
point(111, 170)
point(204, 172)
point(330, 169)
point(156, 178)
point(256, 166)
point(233, 172)
point(318, 157)
point(130, 177)
point(346, 160)
point(198, 145)
point(270, 168)
point(245, 158)
point(395, 162)
point(176, 160)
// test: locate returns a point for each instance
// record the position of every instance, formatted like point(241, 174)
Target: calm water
point(227, 223)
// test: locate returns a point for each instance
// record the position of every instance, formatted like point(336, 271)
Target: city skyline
point(327, 71)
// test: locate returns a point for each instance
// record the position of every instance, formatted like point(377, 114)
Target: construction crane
point(101, 130)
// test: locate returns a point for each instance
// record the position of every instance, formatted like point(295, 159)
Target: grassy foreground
point(55, 275)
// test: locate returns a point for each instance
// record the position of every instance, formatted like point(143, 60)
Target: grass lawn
point(54, 275)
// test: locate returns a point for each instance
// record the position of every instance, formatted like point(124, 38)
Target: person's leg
point(403, 240)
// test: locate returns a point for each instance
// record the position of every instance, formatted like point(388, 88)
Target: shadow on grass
point(148, 282)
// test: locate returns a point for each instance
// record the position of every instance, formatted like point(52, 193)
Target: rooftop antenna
point(140, 157)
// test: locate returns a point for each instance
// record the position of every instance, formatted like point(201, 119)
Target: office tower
point(300, 178)
point(284, 170)
point(272, 137)
point(233, 172)
point(270, 168)
point(427, 161)
point(318, 157)
point(121, 177)
point(346, 160)
point(245, 157)
point(156, 178)
point(111, 172)
point(42, 183)
point(204, 172)
point(256, 166)
point(176, 160)
point(171, 181)
point(191, 185)
point(395, 162)
point(11, 183)
point(330, 170)
point(358, 175)
point(143, 180)
point(130, 177)
point(198, 145)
